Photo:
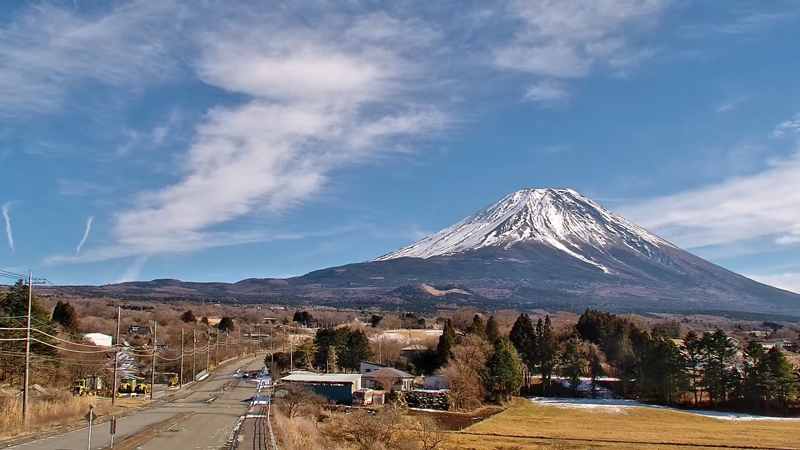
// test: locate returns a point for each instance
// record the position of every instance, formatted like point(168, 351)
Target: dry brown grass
point(54, 412)
point(299, 433)
point(545, 427)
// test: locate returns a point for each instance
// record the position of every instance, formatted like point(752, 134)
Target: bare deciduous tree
point(366, 431)
point(463, 372)
point(428, 433)
point(299, 401)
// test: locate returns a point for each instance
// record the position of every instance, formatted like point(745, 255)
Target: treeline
point(483, 364)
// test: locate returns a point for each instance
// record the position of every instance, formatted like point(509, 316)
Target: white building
point(100, 339)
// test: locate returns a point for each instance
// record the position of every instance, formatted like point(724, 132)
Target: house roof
point(388, 372)
point(415, 347)
point(322, 377)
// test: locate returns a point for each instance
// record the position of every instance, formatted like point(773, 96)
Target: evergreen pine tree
point(477, 327)
point(547, 350)
point(596, 369)
point(693, 353)
point(446, 342)
point(502, 377)
point(225, 325)
point(756, 377)
point(718, 372)
point(784, 383)
point(573, 362)
point(492, 330)
point(188, 317)
point(65, 315)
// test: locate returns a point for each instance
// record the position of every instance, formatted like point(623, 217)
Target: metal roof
point(323, 377)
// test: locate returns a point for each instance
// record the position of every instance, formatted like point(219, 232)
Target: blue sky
point(224, 140)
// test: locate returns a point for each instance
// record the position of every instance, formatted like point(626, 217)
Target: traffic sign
point(90, 416)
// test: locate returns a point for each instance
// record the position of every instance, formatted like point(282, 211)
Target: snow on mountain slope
point(559, 218)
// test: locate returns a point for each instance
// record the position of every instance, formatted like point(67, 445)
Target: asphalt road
point(212, 425)
point(206, 428)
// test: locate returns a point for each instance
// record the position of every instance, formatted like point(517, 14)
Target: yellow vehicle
point(173, 381)
point(142, 389)
point(82, 389)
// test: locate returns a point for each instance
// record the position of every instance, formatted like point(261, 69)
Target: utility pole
point(116, 359)
point(208, 351)
point(249, 338)
point(291, 356)
point(216, 348)
point(180, 377)
point(194, 355)
point(227, 335)
point(27, 353)
point(272, 345)
point(153, 364)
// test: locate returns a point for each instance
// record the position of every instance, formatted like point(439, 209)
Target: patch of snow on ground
point(622, 406)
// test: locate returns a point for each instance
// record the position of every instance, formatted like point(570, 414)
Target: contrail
point(10, 237)
point(85, 234)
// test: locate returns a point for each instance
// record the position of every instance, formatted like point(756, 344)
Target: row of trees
point(482, 363)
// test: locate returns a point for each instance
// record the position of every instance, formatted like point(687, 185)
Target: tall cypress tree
point(65, 315)
point(596, 369)
point(784, 383)
point(477, 327)
point(693, 352)
point(502, 377)
point(493, 330)
point(446, 342)
point(718, 372)
point(573, 362)
point(547, 350)
point(756, 377)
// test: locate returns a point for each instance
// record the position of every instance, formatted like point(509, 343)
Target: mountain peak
point(559, 218)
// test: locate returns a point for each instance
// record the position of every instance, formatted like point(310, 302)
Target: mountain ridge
point(533, 248)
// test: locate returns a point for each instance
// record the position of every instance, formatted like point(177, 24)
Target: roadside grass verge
point(52, 412)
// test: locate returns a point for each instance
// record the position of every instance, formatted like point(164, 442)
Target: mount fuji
point(551, 249)
point(557, 248)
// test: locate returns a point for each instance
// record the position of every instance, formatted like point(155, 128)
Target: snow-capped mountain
point(556, 247)
point(559, 218)
point(551, 249)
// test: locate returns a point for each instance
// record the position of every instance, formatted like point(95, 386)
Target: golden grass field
point(548, 427)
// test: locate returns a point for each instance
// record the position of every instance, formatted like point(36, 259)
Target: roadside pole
point(113, 430)
point(90, 417)
point(180, 377)
point(194, 354)
point(27, 353)
point(153, 364)
point(116, 359)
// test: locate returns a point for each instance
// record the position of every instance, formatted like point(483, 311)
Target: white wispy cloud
point(791, 126)
point(547, 92)
point(9, 236)
point(739, 209)
point(789, 281)
point(47, 50)
point(85, 234)
point(571, 38)
point(134, 270)
point(313, 101)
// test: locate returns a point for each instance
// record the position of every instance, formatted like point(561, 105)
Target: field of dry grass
point(526, 425)
point(55, 412)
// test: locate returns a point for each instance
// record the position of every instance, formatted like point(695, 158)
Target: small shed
point(100, 339)
point(336, 387)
